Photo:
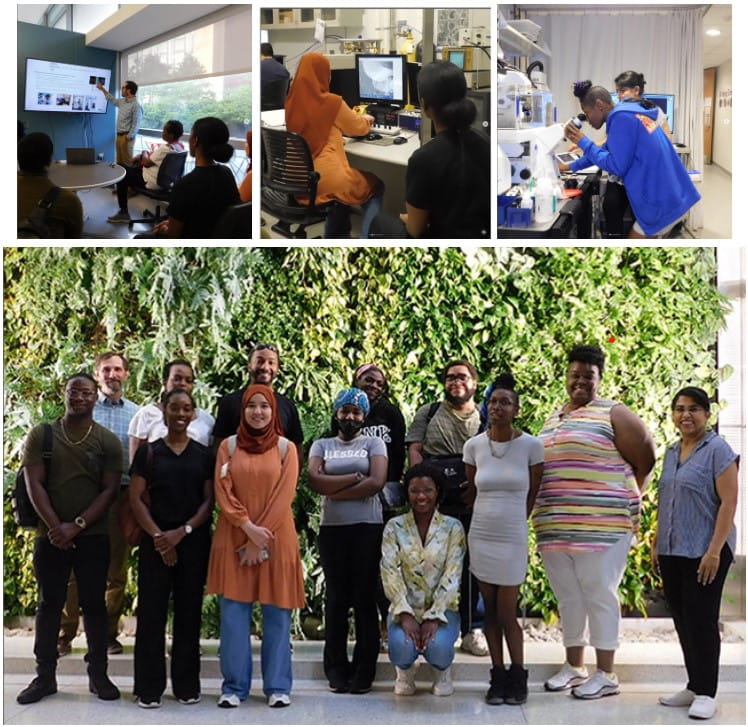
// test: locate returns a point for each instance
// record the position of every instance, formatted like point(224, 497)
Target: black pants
point(156, 583)
point(470, 618)
point(615, 204)
point(350, 556)
point(695, 611)
point(133, 178)
point(89, 560)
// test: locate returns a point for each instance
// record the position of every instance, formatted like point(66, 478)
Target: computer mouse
point(399, 140)
point(373, 137)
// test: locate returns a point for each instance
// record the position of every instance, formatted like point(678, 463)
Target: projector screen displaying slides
point(53, 86)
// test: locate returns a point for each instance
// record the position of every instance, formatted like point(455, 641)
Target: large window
point(202, 69)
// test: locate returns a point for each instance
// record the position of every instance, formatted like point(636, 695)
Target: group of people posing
point(423, 552)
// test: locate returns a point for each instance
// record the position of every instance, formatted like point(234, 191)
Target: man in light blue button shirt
point(129, 117)
point(113, 411)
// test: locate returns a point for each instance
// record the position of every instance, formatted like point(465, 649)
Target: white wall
point(722, 145)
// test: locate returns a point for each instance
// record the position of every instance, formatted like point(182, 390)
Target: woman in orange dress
point(255, 554)
point(322, 118)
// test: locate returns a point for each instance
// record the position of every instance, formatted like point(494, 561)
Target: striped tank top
point(588, 496)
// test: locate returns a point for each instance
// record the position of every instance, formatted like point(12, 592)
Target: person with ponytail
point(638, 150)
point(349, 471)
point(448, 178)
point(322, 118)
point(504, 466)
point(200, 198)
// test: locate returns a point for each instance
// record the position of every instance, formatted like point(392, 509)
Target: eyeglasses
point(263, 347)
point(457, 377)
point(80, 394)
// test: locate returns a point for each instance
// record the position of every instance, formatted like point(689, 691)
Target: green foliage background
point(655, 311)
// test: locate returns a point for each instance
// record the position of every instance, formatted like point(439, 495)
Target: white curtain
point(664, 45)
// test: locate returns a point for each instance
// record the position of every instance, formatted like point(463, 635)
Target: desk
point(387, 162)
point(85, 176)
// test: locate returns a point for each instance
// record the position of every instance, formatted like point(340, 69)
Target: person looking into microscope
point(637, 150)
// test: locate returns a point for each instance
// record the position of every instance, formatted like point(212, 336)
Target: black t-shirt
point(385, 420)
point(450, 177)
point(174, 481)
point(230, 412)
point(201, 197)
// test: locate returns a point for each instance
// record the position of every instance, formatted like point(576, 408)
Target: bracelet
point(712, 556)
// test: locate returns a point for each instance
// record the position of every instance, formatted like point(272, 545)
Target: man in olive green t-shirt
point(82, 481)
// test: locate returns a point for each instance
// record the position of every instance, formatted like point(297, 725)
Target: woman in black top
point(176, 474)
point(200, 198)
point(448, 178)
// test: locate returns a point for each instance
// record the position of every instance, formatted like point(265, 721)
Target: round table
point(85, 176)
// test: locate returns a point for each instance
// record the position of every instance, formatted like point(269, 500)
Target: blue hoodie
point(637, 150)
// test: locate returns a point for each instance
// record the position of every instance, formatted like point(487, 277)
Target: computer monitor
point(666, 101)
point(343, 82)
point(381, 79)
point(457, 57)
point(412, 70)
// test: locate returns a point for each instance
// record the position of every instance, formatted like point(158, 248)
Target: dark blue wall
point(65, 129)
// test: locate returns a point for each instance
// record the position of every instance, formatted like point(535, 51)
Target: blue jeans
point(440, 651)
point(236, 652)
point(338, 220)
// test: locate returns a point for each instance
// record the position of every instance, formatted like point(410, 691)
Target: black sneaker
point(39, 688)
point(495, 693)
point(102, 687)
point(516, 685)
point(114, 647)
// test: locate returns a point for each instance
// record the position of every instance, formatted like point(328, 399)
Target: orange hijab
point(310, 107)
point(257, 441)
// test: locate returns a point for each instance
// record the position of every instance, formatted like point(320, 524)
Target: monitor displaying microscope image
point(381, 79)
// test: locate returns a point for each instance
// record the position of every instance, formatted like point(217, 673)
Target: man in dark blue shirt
point(270, 69)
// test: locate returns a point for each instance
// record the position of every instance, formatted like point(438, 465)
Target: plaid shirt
point(116, 416)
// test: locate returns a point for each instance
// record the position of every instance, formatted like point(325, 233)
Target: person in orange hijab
point(322, 118)
point(255, 553)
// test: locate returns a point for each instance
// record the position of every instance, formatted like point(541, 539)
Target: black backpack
point(23, 511)
point(36, 226)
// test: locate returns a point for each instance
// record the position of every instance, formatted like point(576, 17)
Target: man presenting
point(113, 412)
point(72, 497)
point(263, 366)
point(129, 116)
point(437, 434)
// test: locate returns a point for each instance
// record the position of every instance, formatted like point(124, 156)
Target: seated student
point(245, 188)
point(322, 118)
point(448, 178)
point(65, 217)
point(270, 69)
point(200, 198)
point(637, 150)
point(144, 171)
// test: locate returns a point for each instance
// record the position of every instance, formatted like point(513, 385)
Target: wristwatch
point(80, 522)
point(187, 528)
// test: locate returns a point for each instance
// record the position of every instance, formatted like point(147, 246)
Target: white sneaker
point(443, 683)
point(474, 642)
point(702, 707)
point(405, 684)
point(228, 700)
point(155, 704)
point(599, 685)
point(683, 698)
point(279, 700)
point(567, 677)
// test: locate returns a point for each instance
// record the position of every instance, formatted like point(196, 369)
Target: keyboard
point(386, 130)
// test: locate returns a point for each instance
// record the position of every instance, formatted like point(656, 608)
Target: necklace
point(80, 441)
point(504, 449)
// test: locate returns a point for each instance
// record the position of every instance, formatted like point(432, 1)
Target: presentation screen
point(381, 78)
point(53, 86)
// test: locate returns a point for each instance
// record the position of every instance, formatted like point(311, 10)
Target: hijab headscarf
point(310, 107)
point(257, 441)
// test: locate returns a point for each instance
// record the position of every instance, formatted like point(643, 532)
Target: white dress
point(497, 539)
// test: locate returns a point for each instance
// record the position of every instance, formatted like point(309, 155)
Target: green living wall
point(655, 311)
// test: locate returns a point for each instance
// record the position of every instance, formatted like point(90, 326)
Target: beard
point(459, 400)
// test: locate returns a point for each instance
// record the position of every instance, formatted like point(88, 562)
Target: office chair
point(288, 173)
point(273, 95)
point(235, 223)
point(170, 170)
